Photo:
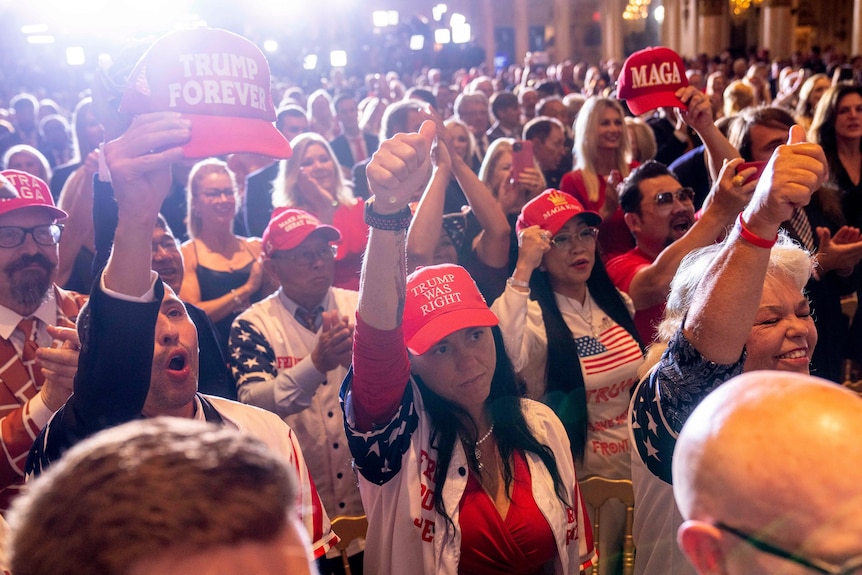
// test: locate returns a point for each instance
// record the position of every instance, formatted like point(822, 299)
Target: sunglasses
point(666, 198)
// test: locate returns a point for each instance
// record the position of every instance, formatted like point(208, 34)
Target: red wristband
point(753, 238)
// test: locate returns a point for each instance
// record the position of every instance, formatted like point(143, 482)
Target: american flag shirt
point(609, 358)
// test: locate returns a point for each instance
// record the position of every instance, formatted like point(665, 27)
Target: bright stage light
point(309, 62)
point(270, 46)
point(338, 58)
point(438, 11)
point(457, 19)
point(34, 29)
point(417, 42)
point(380, 18)
point(75, 56)
point(442, 36)
point(461, 33)
point(392, 17)
point(40, 39)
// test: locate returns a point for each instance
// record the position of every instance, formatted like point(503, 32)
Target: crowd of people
point(442, 306)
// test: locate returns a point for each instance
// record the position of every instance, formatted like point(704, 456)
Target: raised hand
point(140, 161)
point(400, 168)
point(794, 172)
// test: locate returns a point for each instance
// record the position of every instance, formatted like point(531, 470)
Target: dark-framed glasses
point(666, 198)
point(849, 567)
point(44, 235)
point(308, 257)
point(586, 236)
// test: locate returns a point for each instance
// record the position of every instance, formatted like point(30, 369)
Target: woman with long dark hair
point(458, 473)
point(570, 334)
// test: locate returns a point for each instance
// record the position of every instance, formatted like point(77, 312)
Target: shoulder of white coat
point(256, 422)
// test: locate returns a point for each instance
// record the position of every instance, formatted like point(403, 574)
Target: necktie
point(27, 327)
point(312, 320)
point(357, 148)
point(800, 224)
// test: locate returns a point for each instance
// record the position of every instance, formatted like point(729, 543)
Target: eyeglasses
point(586, 236)
point(44, 235)
point(682, 194)
point(307, 257)
point(853, 565)
point(214, 194)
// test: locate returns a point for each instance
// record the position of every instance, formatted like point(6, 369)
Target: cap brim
point(643, 104)
point(448, 323)
point(56, 213)
point(221, 135)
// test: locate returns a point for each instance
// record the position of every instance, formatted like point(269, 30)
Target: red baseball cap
point(650, 78)
point(551, 209)
point(441, 300)
point(289, 227)
point(22, 190)
point(216, 79)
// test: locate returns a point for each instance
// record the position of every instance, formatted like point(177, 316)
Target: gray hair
point(787, 259)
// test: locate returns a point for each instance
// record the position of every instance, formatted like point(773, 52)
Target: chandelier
point(739, 7)
point(636, 10)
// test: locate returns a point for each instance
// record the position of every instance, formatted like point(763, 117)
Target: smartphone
point(522, 158)
point(755, 175)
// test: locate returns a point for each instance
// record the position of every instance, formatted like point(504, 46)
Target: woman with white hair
point(734, 307)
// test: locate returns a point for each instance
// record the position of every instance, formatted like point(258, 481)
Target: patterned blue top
point(663, 401)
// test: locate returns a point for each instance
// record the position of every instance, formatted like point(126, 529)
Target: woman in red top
point(311, 180)
point(601, 156)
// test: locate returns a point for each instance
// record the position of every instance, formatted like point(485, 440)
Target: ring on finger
point(737, 181)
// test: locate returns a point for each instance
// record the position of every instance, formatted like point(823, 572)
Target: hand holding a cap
point(794, 172)
point(699, 112)
point(400, 169)
point(140, 162)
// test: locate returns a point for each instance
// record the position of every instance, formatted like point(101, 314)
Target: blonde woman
point(601, 162)
point(222, 273)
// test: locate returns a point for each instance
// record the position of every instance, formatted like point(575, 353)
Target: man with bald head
point(766, 473)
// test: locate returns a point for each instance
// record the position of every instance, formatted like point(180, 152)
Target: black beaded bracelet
point(390, 222)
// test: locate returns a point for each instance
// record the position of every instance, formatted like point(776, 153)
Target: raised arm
point(424, 233)
point(699, 117)
point(728, 296)
point(398, 170)
point(141, 180)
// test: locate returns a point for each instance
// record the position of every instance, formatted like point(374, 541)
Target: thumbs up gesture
point(400, 169)
point(794, 172)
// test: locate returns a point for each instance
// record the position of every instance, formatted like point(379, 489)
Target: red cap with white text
point(650, 78)
point(22, 190)
point(551, 209)
point(289, 227)
point(441, 300)
point(216, 79)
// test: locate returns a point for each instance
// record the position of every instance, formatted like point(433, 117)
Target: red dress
point(521, 543)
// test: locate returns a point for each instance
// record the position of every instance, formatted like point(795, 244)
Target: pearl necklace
point(587, 318)
point(478, 452)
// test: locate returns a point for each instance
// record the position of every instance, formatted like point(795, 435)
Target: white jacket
point(396, 466)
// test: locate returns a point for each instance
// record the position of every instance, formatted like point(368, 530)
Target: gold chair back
point(348, 528)
point(596, 491)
